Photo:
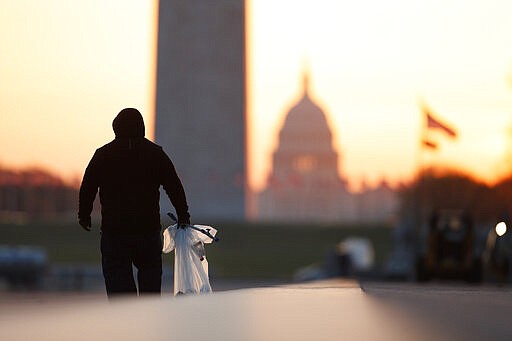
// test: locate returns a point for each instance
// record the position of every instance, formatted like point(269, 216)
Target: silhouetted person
point(128, 173)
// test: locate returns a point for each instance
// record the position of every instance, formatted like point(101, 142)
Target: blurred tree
point(437, 188)
point(35, 194)
point(503, 196)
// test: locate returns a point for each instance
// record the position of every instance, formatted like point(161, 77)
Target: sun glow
point(370, 62)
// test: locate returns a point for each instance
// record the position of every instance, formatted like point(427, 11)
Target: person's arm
point(174, 189)
point(88, 190)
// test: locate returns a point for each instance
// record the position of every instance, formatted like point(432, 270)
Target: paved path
point(460, 312)
point(330, 310)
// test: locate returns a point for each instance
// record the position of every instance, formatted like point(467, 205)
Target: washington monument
point(201, 102)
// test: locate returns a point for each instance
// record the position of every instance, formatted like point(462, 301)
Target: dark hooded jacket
point(128, 173)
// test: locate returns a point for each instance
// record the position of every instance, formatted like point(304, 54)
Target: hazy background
point(68, 67)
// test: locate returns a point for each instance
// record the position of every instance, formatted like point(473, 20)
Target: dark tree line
point(436, 189)
point(35, 194)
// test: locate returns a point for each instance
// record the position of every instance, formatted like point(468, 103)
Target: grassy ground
point(245, 250)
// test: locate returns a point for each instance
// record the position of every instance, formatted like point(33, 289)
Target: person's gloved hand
point(85, 223)
point(182, 223)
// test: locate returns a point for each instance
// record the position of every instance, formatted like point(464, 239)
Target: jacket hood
point(129, 123)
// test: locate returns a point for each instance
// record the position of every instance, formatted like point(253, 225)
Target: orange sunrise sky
point(68, 67)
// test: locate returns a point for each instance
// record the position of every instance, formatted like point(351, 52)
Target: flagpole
point(429, 123)
point(419, 193)
point(425, 142)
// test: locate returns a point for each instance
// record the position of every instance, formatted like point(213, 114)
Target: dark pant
point(118, 253)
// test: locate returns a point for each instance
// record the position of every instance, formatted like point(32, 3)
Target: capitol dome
point(305, 128)
point(305, 143)
point(304, 183)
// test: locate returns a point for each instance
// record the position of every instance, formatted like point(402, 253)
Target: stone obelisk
point(201, 103)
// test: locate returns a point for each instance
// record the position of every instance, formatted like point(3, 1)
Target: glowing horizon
point(67, 74)
point(371, 63)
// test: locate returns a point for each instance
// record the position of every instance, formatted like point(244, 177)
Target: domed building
point(304, 183)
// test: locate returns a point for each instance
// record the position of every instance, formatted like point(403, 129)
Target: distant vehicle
point(449, 249)
point(22, 266)
point(352, 257)
point(359, 252)
point(498, 253)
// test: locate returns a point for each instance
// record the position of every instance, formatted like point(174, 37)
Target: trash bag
point(190, 264)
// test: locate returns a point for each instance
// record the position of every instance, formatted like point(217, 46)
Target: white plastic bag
point(190, 264)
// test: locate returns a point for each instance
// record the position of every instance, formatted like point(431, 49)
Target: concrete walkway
point(329, 310)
